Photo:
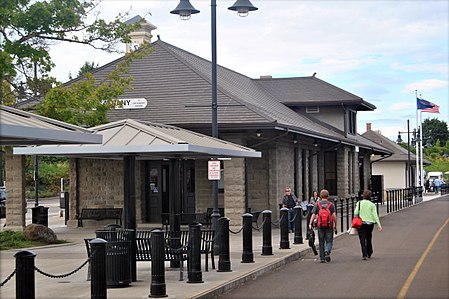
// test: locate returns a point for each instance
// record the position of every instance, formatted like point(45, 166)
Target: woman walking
point(366, 210)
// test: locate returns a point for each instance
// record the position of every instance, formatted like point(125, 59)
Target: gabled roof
point(18, 127)
point(146, 140)
point(399, 154)
point(306, 91)
point(177, 86)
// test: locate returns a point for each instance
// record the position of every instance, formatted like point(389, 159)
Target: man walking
point(326, 216)
point(289, 201)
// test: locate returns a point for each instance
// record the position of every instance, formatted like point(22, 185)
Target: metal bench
point(100, 214)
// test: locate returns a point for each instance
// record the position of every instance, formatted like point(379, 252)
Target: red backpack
point(325, 219)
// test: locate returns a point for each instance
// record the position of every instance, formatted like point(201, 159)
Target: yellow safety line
point(418, 265)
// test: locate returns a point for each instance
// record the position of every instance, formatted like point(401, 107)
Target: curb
point(236, 282)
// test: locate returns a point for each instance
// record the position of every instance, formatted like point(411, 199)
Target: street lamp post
point(185, 10)
point(408, 168)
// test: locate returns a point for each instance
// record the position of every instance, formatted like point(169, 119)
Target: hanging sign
point(213, 170)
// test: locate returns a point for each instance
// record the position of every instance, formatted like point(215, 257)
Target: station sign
point(136, 103)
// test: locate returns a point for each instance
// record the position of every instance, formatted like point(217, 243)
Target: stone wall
point(15, 199)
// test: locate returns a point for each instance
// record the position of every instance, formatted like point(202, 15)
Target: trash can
point(39, 215)
point(118, 270)
point(118, 256)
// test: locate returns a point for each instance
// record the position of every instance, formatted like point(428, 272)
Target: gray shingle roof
point(399, 153)
point(311, 91)
point(177, 86)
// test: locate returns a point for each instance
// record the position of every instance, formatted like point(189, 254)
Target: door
point(188, 201)
point(153, 196)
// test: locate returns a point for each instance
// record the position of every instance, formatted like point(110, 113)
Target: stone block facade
point(15, 199)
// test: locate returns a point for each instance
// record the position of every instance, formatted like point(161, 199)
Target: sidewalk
point(61, 259)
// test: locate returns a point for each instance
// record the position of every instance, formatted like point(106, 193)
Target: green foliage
point(439, 157)
point(28, 28)
point(86, 68)
point(434, 130)
point(87, 101)
point(14, 240)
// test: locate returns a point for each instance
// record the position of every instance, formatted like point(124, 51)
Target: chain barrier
point(278, 222)
point(176, 250)
point(258, 227)
point(293, 220)
point(235, 233)
point(8, 278)
point(61, 275)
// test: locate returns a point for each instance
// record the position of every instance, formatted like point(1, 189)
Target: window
point(330, 172)
point(352, 122)
point(312, 109)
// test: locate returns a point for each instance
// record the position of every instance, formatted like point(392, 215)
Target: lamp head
point(243, 7)
point(184, 10)
point(399, 138)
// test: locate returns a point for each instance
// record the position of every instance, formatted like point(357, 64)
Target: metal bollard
point(224, 261)
point(194, 254)
point(247, 254)
point(298, 226)
point(267, 248)
point(285, 244)
point(98, 288)
point(25, 281)
point(158, 286)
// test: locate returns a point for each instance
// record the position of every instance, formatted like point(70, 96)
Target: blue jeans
point(291, 216)
point(326, 239)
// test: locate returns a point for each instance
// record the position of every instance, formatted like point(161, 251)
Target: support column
point(15, 184)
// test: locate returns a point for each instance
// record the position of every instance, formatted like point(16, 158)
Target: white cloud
point(427, 85)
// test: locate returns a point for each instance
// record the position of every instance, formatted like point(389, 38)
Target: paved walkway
point(60, 259)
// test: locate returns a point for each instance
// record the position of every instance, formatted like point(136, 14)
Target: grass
point(16, 240)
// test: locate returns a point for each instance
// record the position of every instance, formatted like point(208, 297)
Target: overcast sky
point(381, 51)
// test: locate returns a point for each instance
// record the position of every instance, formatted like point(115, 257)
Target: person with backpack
point(289, 201)
point(326, 223)
point(366, 210)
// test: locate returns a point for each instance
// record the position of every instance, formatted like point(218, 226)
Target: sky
point(386, 51)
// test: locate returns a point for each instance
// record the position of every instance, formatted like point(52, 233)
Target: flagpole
point(420, 148)
point(418, 172)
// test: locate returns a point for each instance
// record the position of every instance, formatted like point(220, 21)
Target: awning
point(145, 141)
point(18, 127)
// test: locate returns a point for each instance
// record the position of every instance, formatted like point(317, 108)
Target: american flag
point(434, 109)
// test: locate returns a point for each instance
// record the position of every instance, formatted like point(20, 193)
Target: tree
point(86, 101)
point(28, 28)
point(433, 130)
point(86, 68)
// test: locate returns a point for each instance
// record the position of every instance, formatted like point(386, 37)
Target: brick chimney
point(368, 127)
point(141, 35)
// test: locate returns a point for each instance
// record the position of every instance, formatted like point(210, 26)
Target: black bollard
point(267, 248)
point(158, 286)
point(98, 287)
point(224, 261)
point(247, 254)
point(298, 226)
point(25, 281)
point(285, 244)
point(194, 254)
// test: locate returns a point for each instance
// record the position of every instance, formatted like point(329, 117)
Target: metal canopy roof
point(146, 141)
point(18, 127)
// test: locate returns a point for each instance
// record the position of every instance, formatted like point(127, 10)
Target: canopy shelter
point(132, 140)
point(19, 127)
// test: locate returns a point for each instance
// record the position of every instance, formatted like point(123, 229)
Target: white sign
point(138, 103)
point(213, 170)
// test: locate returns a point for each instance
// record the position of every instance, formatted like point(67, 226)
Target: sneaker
point(322, 261)
point(364, 258)
point(327, 256)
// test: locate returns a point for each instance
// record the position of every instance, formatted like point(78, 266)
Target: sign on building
point(138, 103)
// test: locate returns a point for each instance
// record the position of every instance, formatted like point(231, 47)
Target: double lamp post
point(185, 10)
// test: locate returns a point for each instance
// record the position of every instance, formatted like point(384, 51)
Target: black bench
point(100, 214)
point(176, 246)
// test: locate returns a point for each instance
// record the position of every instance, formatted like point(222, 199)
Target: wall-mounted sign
point(213, 170)
point(138, 103)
